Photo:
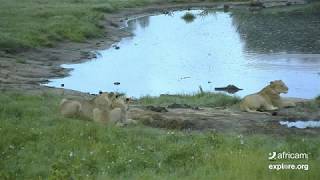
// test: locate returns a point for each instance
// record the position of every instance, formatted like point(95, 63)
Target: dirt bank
point(26, 70)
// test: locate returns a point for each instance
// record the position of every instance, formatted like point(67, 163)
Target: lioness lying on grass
point(104, 108)
point(268, 99)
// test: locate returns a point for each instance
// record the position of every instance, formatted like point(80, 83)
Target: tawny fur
point(268, 99)
point(105, 108)
point(96, 109)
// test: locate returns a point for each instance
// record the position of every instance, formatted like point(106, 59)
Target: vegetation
point(318, 100)
point(36, 143)
point(188, 17)
point(200, 99)
point(34, 23)
point(281, 29)
point(311, 8)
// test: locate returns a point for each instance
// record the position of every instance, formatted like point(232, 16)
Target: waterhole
point(169, 54)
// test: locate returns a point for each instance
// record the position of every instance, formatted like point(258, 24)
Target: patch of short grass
point(206, 99)
point(36, 143)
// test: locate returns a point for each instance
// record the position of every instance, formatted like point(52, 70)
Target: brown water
point(170, 55)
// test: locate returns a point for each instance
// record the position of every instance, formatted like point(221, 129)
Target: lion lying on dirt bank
point(268, 99)
point(104, 108)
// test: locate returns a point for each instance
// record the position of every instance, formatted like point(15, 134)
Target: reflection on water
point(295, 32)
point(220, 48)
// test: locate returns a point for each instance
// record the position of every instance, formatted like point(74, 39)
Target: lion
point(105, 108)
point(118, 114)
point(268, 99)
point(96, 109)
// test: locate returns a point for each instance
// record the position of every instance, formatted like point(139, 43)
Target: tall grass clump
point(188, 17)
point(37, 143)
point(206, 99)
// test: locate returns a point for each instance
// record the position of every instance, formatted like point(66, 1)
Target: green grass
point(310, 8)
point(35, 23)
point(36, 143)
point(317, 100)
point(206, 99)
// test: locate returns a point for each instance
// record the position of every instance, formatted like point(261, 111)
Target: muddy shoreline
point(27, 70)
point(226, 120)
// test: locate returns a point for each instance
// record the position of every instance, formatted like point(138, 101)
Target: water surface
point(168, 55)
point(301, 124)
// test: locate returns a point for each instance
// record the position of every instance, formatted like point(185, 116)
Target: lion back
point(257, 100)
point(251, 102)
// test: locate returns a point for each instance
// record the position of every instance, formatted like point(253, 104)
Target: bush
point(188, 17)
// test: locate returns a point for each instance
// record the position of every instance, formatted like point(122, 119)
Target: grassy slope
point(33, 23)
point(35, 142)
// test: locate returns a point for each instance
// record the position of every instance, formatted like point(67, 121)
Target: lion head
point(120, 102)
point(103, 100)
point(279, 86)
